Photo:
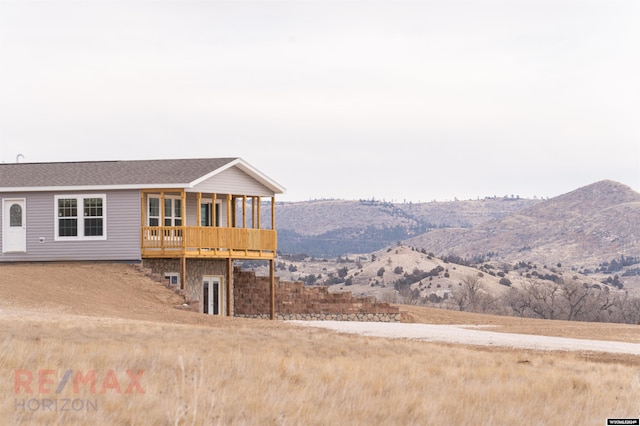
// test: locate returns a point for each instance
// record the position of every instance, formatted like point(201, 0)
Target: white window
point(154, 211)
point(80, 217)
point(172, 211)
point(172, 279)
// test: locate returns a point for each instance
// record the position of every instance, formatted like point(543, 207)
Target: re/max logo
point(43, 381)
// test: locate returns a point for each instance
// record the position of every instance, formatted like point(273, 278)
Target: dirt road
point(473, 335)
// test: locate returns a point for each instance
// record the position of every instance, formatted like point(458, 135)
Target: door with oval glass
point(212, 296)
point(14, 225)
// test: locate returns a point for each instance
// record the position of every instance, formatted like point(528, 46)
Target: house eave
point(92, 188)
point(49, 177)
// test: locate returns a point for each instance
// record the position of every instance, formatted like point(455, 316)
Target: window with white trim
point(172, 279)
point(154, 211)
point(80, 217)
point(172, 211)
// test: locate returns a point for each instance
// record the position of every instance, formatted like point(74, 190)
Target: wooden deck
point(208, 242)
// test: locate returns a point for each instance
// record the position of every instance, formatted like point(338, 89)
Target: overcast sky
point(391, 100)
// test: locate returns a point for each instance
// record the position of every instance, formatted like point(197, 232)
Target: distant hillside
point(585, 242)
point(331, 228)
point(583, 228)
point(404, 274)
point(593, 229)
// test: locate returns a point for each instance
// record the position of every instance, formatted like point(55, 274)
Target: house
point(187, 219)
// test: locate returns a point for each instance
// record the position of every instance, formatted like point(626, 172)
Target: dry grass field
point(61, 322)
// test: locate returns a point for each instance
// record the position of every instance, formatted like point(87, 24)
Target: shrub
point(505, 281)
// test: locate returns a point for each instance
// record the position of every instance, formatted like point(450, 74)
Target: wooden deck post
point(183, 220)
point(272, 262)
point(258, 202)
point(244, 211)
point(229, 287)
point(161, 221)
point(272, 288)
point(143, 222)
point(183, 272)
point(199, 209)
point(214, 218)
point(273, 213)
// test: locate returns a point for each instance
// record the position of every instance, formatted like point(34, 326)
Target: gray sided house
point(186, 219)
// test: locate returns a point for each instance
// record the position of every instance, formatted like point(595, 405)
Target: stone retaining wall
point(294, 301)
point(332, 317)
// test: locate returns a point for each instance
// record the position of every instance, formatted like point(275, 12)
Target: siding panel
point(122, 227)
point(233, 181)
point(191, 211)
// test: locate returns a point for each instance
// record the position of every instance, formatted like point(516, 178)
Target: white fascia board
point(261, 177)
point(92, 188)
point(275, 187)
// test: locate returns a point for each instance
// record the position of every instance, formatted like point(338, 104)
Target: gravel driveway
point(472, 335)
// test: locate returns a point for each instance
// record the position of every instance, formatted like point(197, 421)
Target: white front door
point(212, 296)
point(14, 225)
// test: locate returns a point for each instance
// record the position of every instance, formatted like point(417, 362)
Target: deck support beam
point(244, 211)
point(258, 206)
point(198, 210)
point(273, 212)
point(229, 287)
point(272, 288)
point(183, 273)
point(215, 220)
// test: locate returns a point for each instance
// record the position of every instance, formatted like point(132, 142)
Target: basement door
point(14, 226)
point(212, 296)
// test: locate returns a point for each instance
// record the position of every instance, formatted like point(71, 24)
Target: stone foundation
point(161, 266)
point(199, 268)
point(250, 295)
point(196, 270)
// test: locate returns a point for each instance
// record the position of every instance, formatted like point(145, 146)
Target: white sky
point(399, 101)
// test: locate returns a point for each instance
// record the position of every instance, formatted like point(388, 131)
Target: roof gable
point(232, 181)
point(178, 173)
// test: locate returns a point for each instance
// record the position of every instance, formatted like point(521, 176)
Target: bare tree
point(576, 297)
point(518, 301)
point(568, 300)
point(628, 308)
point(540, 300)
point(604, 306)
point(472, 296)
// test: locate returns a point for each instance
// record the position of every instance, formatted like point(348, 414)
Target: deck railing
point(207, 241)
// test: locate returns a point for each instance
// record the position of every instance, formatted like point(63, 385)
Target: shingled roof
point(179, 173)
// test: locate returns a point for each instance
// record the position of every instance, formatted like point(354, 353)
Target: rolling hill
point(583, 228)
point(332, 228)
point(592, 233)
